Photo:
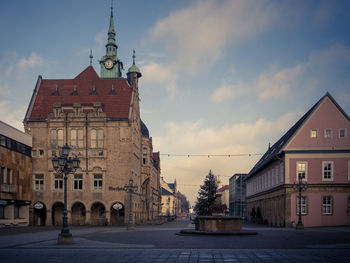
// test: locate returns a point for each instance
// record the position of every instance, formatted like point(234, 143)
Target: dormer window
point(93, 92)
point(342, 133)
point(56, 92)
point(74, 92)
point(112, 92)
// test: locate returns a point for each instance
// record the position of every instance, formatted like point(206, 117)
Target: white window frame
point(328, 135)
point(59, 181)
point(331, 171)
point(38, 182)
point(327, 207)
point(345, 133)
point(297, 170)
point(98, 182)
point(78, 181)
point(311, 133)
point(303, 205)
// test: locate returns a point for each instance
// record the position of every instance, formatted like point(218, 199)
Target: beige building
point(15, 176)
point(99, 118)
point(170, 203)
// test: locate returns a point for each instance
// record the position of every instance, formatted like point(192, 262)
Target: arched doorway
point(78, 214)
point(57, 214)
point(117, 214)
point(39, 214)
point(146, 199)
point(98, 214)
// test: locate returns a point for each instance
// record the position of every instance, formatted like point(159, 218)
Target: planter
point(218, 224)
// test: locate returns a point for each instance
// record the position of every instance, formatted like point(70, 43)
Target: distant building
point(223, 198)
point(317, 148)
point(15, 176)
point(170, 202)
point(237, 192)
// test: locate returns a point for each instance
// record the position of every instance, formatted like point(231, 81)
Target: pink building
point(317, 148)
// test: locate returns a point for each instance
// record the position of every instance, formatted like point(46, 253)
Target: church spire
point(111, 66)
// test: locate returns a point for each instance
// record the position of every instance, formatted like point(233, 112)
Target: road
point(161, 243)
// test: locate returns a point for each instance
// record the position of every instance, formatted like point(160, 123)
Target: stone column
point(108, 217)
point(48, 217)
point(88, 217)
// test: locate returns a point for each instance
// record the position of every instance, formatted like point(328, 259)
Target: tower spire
point(111, 23)
point(133, 56)
point(90, 56)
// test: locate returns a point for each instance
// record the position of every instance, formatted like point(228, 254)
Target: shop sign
point(39, 205)
point(117, 206)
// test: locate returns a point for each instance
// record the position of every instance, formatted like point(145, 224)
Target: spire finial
point(91, 56)
point(133, 56)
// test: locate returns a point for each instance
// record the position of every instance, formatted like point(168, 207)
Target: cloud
point(12, 115)
point(28, 63)
point(323, 70)
point(195, 37)
point(197, 138)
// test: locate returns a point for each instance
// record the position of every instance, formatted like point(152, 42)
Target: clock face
point(109, 64)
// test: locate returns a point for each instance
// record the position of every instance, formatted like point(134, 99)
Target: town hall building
point(99, 118)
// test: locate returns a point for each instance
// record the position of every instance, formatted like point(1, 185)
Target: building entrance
point(78, 214)
point(117, 214)
point(57, 214)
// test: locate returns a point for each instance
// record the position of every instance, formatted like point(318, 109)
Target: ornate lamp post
point(300, 187)
point(65, 165)
point(130, 188)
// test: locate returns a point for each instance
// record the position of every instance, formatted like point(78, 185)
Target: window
point(327, 205)
point(39, 182)
point(303, 205)
point(313, 133)
point(56, 138)
point(2, 141)
point(342, 133)
point(349, 206)
point(9, 177)
point(328, 133)
point(96, 138)
point(78, 182)
point(58, 182)
point(41, 152)
point(349, 170)
point(33, 153)
point(144, 156)
point(327, 168)
point(76, 138)
point(301, 170)
point(98, 182)
point(2, 175)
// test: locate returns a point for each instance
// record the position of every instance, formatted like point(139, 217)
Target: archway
point(78, 214)
point(57, 214)
point(117, 214)
point(98, 214)
point(146, 199)
point(39, 214)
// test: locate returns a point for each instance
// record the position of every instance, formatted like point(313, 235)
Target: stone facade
point(15, 176)
point(99, 118)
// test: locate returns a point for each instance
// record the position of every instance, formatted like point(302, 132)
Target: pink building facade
point(317, 148)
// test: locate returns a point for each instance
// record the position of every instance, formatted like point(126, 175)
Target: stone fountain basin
point(219, 223)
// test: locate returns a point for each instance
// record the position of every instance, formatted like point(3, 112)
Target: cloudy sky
point(219, 77)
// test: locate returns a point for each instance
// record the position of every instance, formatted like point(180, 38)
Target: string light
point(211, 155)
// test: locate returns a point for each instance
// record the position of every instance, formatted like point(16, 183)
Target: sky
point(221, 77)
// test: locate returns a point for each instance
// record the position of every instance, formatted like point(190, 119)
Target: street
point(160, 243)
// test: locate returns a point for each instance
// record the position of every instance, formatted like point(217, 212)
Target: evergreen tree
point(207, 195)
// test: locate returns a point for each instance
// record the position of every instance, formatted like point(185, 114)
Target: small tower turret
point(134, 73)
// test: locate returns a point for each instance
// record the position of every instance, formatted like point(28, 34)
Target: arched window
point(96, 138)
point(56, 138)
point(76, 138)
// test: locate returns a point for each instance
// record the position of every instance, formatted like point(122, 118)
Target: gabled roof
point(166, 192)
point(86, 88)
point(277, 148)
point(225, 187)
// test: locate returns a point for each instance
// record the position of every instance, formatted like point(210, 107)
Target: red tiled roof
point(115, 106)
point(225, 187)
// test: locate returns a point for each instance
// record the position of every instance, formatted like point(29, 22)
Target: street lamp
point(130, 188)
point(300, 187)
point(65, 165)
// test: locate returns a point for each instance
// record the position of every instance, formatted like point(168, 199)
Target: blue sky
point(219, 77)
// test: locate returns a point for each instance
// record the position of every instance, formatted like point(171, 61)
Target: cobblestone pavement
point(160, 244)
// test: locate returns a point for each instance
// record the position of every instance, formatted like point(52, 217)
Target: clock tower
point(111, 66)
